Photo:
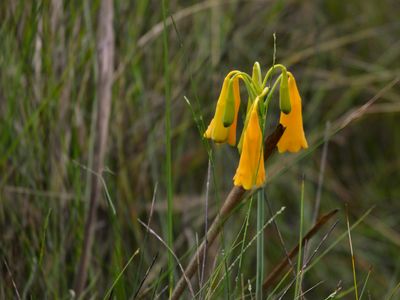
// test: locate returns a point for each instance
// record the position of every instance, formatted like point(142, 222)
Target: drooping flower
point(232, 128)
point(222, 128)
point(250, 172)
point(217, 130)
point(293, 139)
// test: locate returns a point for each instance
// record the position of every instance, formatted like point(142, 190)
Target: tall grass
point(343, 53)
point(168, 170)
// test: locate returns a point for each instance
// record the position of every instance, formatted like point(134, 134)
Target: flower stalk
point(250, 174)
point(235, 196)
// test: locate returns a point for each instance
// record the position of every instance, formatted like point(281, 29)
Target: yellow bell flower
point(293, 139)
point(216, 130)
point(232, 128)
point(250, 172)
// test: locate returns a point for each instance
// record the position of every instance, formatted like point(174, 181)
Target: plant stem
point(271, 91)
point(260, 244)
point(299, 264)
point(105, 46)
point(168, 159)
point(271, 71)
point(232, 200)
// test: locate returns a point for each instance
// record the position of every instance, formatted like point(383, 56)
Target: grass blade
point(352, 256)
point(298, 279)
point(120, 274)
point(168, 158)
point(260, 244)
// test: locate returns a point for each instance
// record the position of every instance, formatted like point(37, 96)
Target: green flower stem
point(251, 89)
point(271, 91)
point(271, 71)
point(260, 244)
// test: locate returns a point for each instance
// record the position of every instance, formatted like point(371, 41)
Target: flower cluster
point(222, 129)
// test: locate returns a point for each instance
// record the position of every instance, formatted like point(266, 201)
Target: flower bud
point(229, 113)
point(256, 76)
point(284, 98)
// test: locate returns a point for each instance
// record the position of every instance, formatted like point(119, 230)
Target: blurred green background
point(342, 53)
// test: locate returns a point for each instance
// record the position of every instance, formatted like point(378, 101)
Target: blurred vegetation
point(343, 53)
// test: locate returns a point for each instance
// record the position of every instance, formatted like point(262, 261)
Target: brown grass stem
point(286, 261)
point(105, 58)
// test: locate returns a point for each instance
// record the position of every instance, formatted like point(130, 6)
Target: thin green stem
point(271, 91)
point(120, 274)
point(365, 283)
point(337, 241)
point(260, 244)
point(244, 228)
point(353, 265)
point(168, 168)
point(299, 256)
point(271, 72)
point(248, 81)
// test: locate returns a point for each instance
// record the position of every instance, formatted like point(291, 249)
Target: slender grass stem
point(105, 59)
point(339, 239)
point(120, 274)
point(168, 169)
point(205, 222)
point(298, 280)
point(394, 291)
point(260, 244)
point(365, 283)
point(245, 235)
point(353, 265)
point(279, 212)
point(287, 259)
